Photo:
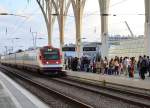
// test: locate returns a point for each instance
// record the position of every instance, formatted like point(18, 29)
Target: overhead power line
point(4, 14)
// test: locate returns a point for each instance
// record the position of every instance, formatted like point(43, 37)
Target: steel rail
point(130, 96)
point(76, 103)
point(112, 86)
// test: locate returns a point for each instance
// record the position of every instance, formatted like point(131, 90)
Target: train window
point(51, 54)
point(51, 57)
point(89, 48)
point(68, 49)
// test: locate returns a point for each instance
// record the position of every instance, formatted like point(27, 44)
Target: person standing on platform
point(139, 65)
point(66, 63)
point(98, 65)
point(120, 65)
point(86, 64)
point(94, 67)
point(111, 67)
point(102, 69)
point(116, 63)
point(105, 65)
point(125, 66)
point(131, 72)
point(75, 64)
point(148, 67)
point(79, 64)
point(128, 64)
point(143, 67)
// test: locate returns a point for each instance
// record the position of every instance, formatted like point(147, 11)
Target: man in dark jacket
point(139, 65)
point(75, 64)
point(143, 66)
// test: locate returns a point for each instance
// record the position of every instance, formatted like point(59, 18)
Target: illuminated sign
point(49, 49)
point(68, 49)
point(89, 48)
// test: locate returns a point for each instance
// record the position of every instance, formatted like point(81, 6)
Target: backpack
point(144, 63)
point(148, 62)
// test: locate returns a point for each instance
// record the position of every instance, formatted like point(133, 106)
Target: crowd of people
point(114, 66)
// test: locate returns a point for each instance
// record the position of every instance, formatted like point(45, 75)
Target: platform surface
point(5, 100)
point(122, 80)
point(13, 95)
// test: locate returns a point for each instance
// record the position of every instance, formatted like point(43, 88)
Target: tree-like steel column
point(104, 8)
point(61, 8)
point(47, 9)
point(78, 7)
point(147, 27)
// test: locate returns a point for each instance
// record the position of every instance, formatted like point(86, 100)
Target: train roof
point(30, 49)
point(49, 47)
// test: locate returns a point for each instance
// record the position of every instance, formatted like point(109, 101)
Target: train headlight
point(46, 62)
point(56, 62)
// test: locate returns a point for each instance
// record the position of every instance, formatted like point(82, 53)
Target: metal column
point(78, 7)
point(147, 27)
point(104, 8)
point(46, 8)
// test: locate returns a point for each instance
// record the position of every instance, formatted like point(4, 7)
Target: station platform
point(114, 79)
point(13, 95)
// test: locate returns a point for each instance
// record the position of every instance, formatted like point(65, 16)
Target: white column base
point(147, 39)
point(104, 48)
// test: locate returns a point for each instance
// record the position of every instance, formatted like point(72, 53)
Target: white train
point(46, 60)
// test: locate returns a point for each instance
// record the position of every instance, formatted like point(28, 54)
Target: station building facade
point(118, 46)
point(130, 47)
point(89, 49)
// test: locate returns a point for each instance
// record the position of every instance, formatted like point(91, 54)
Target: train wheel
point(62, 74)
point(40, 72)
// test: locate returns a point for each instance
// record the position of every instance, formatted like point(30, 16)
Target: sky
point(19, 27)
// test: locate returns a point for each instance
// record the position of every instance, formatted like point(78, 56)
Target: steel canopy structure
point(57, 10)
point(147, 26)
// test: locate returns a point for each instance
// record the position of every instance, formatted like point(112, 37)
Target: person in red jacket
point(132, 69)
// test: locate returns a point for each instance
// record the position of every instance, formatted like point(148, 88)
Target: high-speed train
point(46, 60)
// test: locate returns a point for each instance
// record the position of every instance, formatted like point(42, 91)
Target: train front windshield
point(51, 54)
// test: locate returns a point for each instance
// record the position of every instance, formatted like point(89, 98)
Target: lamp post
point(10, 14)
point(12, 40)
point(36, 40)
point(33, 37)
point(6, 47)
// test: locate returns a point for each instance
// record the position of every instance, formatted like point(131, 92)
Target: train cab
point(50, 59)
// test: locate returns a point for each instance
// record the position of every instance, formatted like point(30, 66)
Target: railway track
point(132, 98)
point(68, 101)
